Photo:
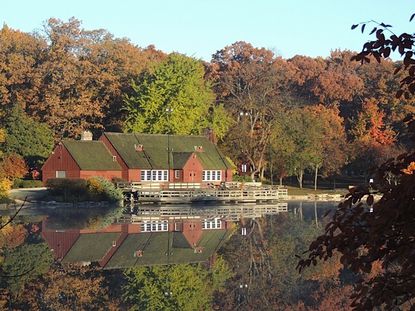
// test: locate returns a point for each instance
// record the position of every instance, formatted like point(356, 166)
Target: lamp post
point(169, 111)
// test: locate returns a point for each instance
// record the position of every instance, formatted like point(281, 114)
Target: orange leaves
point(370, 128)
point(12, 166)
point(410, 169)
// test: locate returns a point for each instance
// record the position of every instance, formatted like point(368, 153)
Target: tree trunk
point(315, 177)
point(280, 181)
point(300, 178)
point(262, 173)
point(253, 175)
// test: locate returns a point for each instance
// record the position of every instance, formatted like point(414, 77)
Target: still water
point(64, 217)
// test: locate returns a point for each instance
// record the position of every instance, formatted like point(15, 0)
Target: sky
point(199, 28)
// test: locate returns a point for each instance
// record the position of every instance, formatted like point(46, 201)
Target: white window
point(154, 225)
point(60, 174)
point(212, 176)
point(211, 223)
point(154, 175)
point(177, 174)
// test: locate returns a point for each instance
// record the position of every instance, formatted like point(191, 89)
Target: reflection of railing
point(227, 212)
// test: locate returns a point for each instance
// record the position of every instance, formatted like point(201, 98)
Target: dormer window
point(114, 158)
point(138, 148)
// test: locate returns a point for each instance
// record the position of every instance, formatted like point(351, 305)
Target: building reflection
point(155, 235)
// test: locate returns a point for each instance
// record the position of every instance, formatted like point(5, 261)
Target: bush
point(93, 189)
point(100, 189)
point(69, 189)
point(239, 178)
point(27, 183)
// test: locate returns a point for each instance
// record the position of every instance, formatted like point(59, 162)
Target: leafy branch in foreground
point(367, 233)
point(383, 46)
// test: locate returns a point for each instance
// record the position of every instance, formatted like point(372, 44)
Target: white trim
point(60, 174)
point(154, 225)
point(212, 175)
point(154, 175)
point(214, 223)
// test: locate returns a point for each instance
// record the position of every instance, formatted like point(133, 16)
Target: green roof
point(155, 156)
point(155, 248)
point(91, 247)
point(91, 155)
point(180, 159)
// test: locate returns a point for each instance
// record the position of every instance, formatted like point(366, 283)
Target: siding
point(105, 174)
point(60, 160)
point(192, 170)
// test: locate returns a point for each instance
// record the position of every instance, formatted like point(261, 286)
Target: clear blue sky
point(201, 27)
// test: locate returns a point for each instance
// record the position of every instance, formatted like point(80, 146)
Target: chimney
point(86, 135)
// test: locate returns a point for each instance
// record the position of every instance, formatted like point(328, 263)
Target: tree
point(373, 141)
point(27, 137)
point(12, 166)
point(299, 138)
point(172, 98)
point(248, 81)
point(118, 62)
point(334, 149)
point(20, 54)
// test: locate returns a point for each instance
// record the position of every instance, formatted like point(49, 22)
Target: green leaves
point(173, 98)
point(178, 287)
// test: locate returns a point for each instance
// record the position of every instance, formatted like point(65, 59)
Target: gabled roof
point(155, 155)
point(180, 159)
point(91, 155)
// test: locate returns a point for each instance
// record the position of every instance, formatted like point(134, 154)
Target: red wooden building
point(81, 159)
point(144, 158)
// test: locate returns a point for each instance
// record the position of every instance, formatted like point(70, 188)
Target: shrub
point(27, 183)
point(239, 178)
point(5, 185)
point(101, 189)
point(69, 189)
point(93, 189)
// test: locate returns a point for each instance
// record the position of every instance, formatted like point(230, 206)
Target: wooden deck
point(151, 194)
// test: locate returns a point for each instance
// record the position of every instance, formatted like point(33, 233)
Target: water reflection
point(154, 235)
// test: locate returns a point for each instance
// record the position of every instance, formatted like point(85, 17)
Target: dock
point(152, 193)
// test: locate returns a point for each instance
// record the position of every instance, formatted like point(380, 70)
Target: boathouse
point(145, 158)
